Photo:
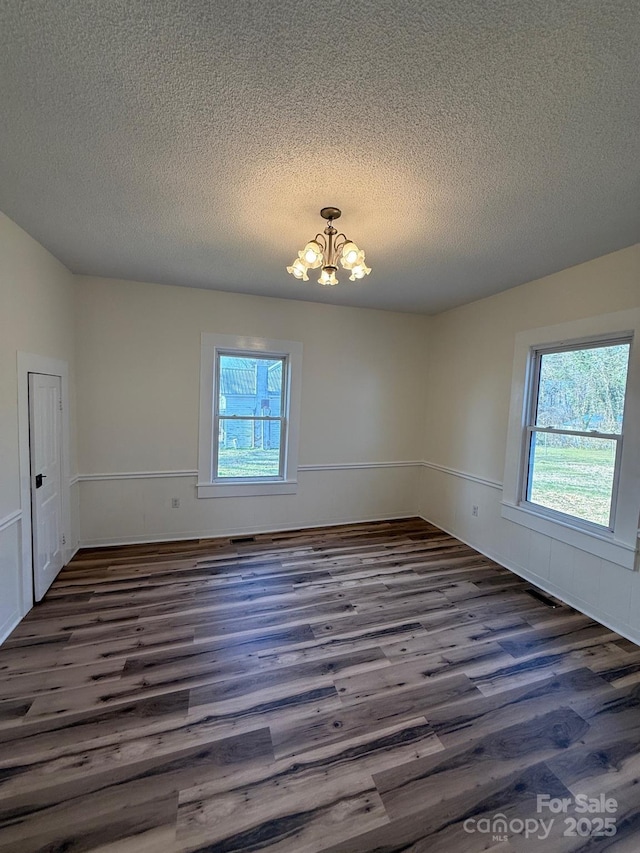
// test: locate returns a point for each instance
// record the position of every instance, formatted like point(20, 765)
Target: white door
point(45, 447)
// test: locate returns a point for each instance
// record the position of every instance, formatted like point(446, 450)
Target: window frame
point(620, 545)
point(532, 401)
point(213, 346)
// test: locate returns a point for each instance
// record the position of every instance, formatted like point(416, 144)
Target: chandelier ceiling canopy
point(326, 250)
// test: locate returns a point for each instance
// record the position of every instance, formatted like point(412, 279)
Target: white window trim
point(620, 544)
point(211, 346)
point(532, 392)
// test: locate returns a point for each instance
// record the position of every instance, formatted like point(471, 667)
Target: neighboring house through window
point(249, 413)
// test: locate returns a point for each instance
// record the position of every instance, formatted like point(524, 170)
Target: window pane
point(573, 474)
point(249, 448)
point(250, 386)
point(583, 389)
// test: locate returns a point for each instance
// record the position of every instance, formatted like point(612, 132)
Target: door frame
point(31, 363)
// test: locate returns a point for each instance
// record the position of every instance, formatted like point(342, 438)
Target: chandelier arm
point(340, 241)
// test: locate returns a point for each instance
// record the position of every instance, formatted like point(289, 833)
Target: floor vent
point(544, 598)
point(240, 540)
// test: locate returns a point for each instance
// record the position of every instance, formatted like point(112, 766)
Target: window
point(573, 446)
point(574, 430)
point(249, 413)
point(249, 421)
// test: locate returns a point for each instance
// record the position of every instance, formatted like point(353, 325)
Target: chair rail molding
point(10, 519)
point(455, 472)
point(328, 466)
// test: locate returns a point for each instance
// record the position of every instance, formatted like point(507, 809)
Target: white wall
point(379, 389)
point(36, 316)
point(138, 394)
point(469, 386)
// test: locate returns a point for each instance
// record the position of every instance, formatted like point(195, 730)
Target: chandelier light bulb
point(298, 269)
point(350, 255)
point(312, 254)
point(325, 250)
point(359, 271)
point(328, 277)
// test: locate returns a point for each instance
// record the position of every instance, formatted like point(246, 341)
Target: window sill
point(602, 545)
point(255, 488)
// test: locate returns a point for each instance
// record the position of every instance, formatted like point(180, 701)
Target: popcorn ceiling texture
point(472, 144)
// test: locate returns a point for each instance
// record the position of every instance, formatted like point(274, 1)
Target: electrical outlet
point(175, 503)
point(474, 510)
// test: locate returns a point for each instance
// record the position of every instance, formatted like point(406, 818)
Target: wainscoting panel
point(10, 573)
point(121, 508)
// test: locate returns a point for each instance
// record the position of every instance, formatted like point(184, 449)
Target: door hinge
point(60, 405)
point(64, 539)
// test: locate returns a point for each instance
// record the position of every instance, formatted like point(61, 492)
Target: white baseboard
point(70, 554)
point(625, 631)
point(9, 625)
point(237, 531)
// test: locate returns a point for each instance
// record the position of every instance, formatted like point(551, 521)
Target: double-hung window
point(574, 431)
point(250, 423)
point(249, 412)
point(573, 446)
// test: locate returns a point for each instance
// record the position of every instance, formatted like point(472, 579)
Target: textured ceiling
point(472, 144)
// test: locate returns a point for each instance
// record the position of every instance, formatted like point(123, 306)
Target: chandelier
point(325, 250)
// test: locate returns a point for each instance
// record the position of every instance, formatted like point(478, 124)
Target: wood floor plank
point(317, 649)
point(171, 763)
point(276, 682)
point(471, 717)
point(420, 784)
point(441, 827)
point(59, 735)
point(474, 661)
point(85, 827)
point(285, 813)
point(325, 783)
point(359, 689)
point(291, 737)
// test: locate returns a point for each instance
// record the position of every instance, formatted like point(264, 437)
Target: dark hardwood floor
point(373, 687)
